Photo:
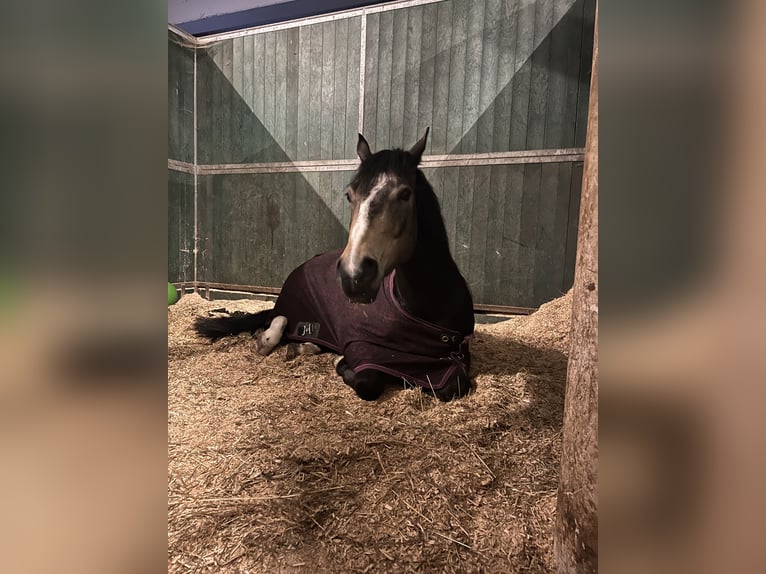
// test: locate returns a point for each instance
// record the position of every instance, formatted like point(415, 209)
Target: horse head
point(384, 223)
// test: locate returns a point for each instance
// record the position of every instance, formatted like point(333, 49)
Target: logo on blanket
point(307, 330)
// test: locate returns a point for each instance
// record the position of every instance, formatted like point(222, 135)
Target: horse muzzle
point(360, 283)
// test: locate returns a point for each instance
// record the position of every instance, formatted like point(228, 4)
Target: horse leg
point(295, 349)
point(368, 385)
point(456, 386)
point(266, 340)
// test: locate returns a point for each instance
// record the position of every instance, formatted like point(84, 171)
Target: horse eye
point(404, 194)
point(348, 197)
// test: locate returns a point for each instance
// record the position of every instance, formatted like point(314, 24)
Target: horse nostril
point(368, 268)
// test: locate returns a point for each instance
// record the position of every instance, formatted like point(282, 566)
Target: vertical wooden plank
point(538, 95)
point(294, 224)
point(347, 209)
point(449, 204)
point(478, 223)
point(573, 215)
point(315, 101)
point(412, 78)
point(328, 239)
point(174, 97)
point(276, 217)
point(473, 80)
point(560, 224)
point(441, 78)
point(247, 234)
point(269, 95)
point(511, 271)
point(280, 101)
point(340, 78)
point(312, 213)
point(237, 79)
point(464, 216)
point(291, 104)
point(303, 102)
point(488, 89)
point(238, 136)
point(180, 226)
point(259, 97)
point(327, 95)
point(560, 40)
point(398, 76)
point(546, 280)
point(204, 104)
point(290, 222)
point(258, 76)
point(219, 113)
point(371, 62)
point(426, 73)
point(180, 103)
point(505, 71)
point(495, 285)
point(525, 31)
point(385, 55)
point(352, 86)
point(247, 71)
point(572, 74)
point(228, 95)
point(336, 195)
point(586, 60)
point(203, 219)
point(528, 232)
point(457, 77)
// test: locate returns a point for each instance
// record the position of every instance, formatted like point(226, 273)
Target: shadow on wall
point(544, 104)
point(255, 228)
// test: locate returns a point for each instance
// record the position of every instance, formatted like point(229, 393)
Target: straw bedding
point(277, 466)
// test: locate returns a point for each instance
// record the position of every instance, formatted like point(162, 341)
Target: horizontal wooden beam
point(185, 167)
point(457, 160)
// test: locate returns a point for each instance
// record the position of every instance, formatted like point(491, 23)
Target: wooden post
point(576, 525)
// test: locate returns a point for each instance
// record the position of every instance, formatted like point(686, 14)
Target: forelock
point(392, 163)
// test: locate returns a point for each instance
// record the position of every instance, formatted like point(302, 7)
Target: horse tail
point(216, 327)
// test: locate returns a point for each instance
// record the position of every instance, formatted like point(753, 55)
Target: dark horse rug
point(380, 335)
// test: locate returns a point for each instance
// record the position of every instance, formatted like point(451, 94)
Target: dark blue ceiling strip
point(270, 15)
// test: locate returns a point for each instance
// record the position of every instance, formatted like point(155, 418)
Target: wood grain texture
point(180, 227)
point(521, 86)
point(180, 103)
point(353, 41)
point(442, 65)
point(258, 227)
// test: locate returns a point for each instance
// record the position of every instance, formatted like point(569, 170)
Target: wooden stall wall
point(180, 153)
point(278, 110)
point(486, 75)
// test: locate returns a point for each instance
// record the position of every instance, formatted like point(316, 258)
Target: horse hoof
point(368, 389)
point(454, 389)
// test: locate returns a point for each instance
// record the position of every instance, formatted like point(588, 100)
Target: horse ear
point(417, 150)
point(363, 148)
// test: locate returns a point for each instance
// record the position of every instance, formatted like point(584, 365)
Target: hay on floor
point(279, 467)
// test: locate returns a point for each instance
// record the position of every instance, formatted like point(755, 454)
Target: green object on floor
point(172, 294)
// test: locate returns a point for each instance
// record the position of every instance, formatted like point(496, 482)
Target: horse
point(393, 302)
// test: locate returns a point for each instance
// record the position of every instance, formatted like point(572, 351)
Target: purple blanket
point(380, 335)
